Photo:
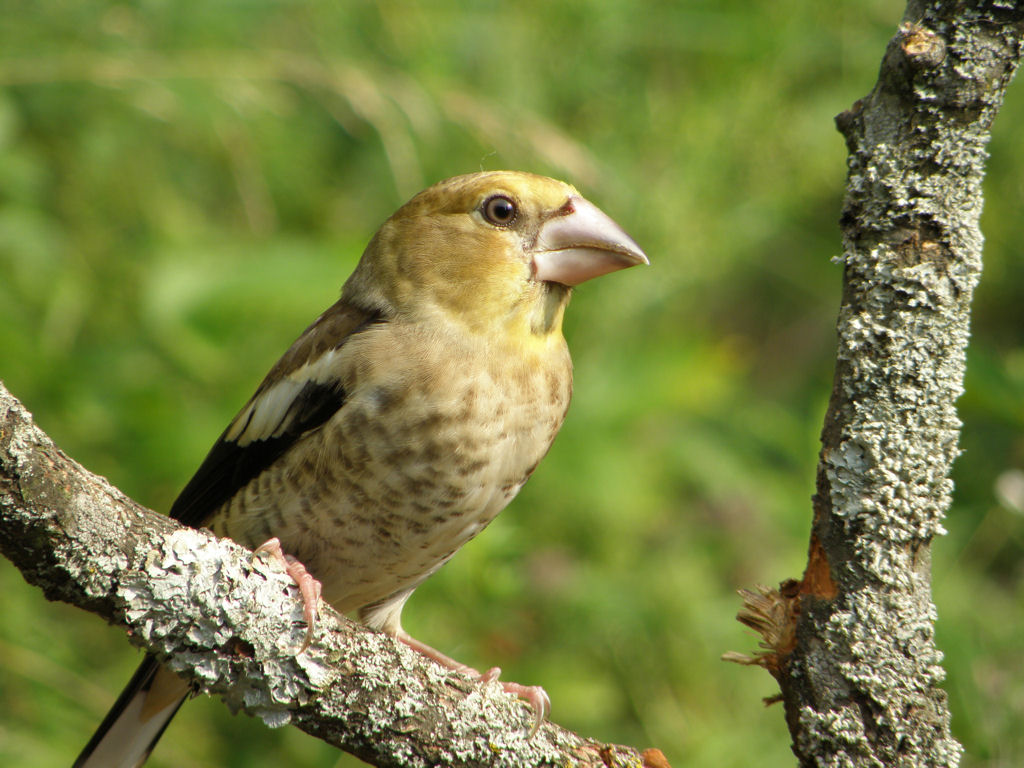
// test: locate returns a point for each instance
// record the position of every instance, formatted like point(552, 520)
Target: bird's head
point(494, 250)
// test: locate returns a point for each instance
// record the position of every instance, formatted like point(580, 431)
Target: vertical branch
point(853, 643)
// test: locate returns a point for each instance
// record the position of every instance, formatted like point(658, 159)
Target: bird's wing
point(300, 393)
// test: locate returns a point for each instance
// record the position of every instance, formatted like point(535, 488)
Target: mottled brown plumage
point(408, 415)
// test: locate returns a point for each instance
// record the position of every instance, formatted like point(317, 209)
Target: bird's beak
point(581, 242)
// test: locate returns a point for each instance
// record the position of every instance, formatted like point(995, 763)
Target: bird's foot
point(308, 586)
point(534, 695)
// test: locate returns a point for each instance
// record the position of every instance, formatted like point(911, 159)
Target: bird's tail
point(136, 721)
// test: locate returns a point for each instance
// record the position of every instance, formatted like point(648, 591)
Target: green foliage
point(183, 186)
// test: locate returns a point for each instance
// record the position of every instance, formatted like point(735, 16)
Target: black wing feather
point(229, 467)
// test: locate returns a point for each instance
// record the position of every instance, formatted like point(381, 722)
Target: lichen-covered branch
point(233, 625)
point(860, 672)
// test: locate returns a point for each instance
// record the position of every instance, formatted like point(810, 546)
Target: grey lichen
point(193, 574)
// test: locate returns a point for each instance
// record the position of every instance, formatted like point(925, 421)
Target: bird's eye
point(500, 210)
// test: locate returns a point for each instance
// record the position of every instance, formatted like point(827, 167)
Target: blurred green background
point(184, 186)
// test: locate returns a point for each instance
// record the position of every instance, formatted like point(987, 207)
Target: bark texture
point(853, 641)
point(233, 625)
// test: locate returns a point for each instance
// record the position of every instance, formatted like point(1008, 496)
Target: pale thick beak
point(582, 242)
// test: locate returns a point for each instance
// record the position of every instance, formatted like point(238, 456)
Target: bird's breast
point(428, 448)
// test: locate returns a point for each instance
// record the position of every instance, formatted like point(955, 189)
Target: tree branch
point(852, 644)
point(232, 624)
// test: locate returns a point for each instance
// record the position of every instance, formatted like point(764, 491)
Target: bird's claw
point(534, 695)
point(308, 586)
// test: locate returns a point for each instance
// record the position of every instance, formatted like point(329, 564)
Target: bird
point(402, 420)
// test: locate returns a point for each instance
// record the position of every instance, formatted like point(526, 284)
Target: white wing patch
point(267, 416)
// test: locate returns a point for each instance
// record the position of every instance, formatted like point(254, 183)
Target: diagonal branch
point(232, 624)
